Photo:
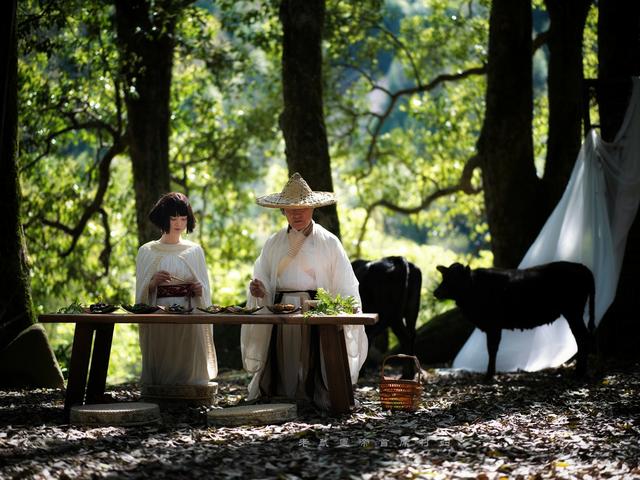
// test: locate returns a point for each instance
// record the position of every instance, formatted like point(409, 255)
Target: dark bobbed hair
point(172, 204)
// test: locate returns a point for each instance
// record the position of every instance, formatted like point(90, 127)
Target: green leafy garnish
point(330, 305)
point(75, 307)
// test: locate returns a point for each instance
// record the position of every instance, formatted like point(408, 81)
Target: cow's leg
point(583, 340)
point(493, 341)
point(406, 345)
point(411, 309)
point(382, 341)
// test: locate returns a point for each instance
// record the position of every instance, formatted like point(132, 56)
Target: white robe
point(321, 263)
point(175, 354)
point(589, 225)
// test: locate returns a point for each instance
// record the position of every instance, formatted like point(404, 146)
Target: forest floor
point(525, 425)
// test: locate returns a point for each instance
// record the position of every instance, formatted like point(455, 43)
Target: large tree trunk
point(302, 120)
point(505, 146)
point(146, 42)
point(565, 82)
point(618, 60)
point(16, 312)
point(26, 358)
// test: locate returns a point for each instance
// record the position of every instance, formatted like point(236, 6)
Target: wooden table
point(98, 349)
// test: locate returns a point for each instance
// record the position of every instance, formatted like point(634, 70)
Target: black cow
point(391, 287)
point(493, 299)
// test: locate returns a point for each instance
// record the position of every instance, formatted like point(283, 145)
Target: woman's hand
point(257, 288)
point(196, 289)
point(161, 276)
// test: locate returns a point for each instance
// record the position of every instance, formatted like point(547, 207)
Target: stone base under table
point(186, 394)
point(266, 414)
point(115, 414)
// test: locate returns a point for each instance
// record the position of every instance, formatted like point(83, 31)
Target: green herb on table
point(75, 307)
point(329, 305)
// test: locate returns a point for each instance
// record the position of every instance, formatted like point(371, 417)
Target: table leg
point(78, 366)
point(337, 367)
point(99, 363)
point(345, 362)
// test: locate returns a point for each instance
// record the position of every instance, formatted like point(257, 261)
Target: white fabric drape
point(320, 263)
point(175, 354)
point(590, 226)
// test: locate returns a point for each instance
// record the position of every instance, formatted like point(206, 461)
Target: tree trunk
point(16, 311)
point(618, 60)
point(505, 146)
point(26, 359)
point(565, 83)
point(302, 120)
point(146, 43)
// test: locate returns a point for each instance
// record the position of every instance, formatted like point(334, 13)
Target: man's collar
point(306, 230)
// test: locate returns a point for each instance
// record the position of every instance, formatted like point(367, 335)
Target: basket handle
point(403, 356)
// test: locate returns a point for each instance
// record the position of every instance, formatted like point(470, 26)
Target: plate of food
point(283, 308)
point(241, 310)
point(140, 308)
point(102, 308)
point(211, 309)
point(175, 308)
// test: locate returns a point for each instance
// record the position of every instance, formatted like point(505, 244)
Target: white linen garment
point(589, 225)
point(175, 354)
point(320, 263)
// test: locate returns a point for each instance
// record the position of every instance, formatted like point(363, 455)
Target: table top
point(212, 318)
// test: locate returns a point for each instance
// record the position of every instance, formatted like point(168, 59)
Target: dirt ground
point(525, 425)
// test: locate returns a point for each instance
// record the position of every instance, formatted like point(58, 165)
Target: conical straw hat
point(297, 194)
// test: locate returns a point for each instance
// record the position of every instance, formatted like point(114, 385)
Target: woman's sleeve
point(345, 281)
point(203, 277)
point(143, 276)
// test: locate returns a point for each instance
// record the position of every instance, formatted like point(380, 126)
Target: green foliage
point(74, 307)
point(590, 55)
point(332, 305)
point(429, 136)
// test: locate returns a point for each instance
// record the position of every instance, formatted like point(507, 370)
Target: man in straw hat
point(295, 262)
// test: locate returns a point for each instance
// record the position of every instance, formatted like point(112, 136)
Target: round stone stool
point(187, 394)
point(252, 415)
point(115, 414)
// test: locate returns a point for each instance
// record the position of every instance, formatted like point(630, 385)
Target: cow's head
point(456, 281)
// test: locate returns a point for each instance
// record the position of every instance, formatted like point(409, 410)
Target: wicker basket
point(399, 394)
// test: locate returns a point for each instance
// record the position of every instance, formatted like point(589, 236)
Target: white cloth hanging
point(589, 225)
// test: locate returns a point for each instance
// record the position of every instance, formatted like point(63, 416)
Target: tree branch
point(463, 185)
point(394, 97)
point(403, 48)
point(94, 207)
point(105, 255)
point(540, 41)
point(75, 126)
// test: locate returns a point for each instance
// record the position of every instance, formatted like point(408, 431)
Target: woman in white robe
point(174, 354)
point(299, 258)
